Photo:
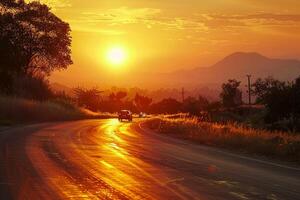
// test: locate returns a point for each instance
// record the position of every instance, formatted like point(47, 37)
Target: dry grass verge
point(17, 110)
point(231, 136)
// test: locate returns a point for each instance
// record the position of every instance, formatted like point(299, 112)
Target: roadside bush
point(17, 110)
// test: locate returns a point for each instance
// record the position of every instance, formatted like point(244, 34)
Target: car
point(125, 115)
point(142, 115)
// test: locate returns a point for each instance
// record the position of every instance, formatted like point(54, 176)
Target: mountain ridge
point(234, 66)
point(237, 65)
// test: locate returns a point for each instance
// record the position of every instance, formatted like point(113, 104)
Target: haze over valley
point(206, 81)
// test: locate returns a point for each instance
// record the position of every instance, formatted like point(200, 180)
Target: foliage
point(115, 102)
point(214, 106)
point(117, 96)
point(88, 98)
point(167, 106)
point(34, 42)
point(118, 100)
point(281, 100)
point(194, 106)
point(262, 87)
point(231, 95)
point(36, 88)
point(142, 102)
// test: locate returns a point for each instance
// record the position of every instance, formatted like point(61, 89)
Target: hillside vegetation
point(17, 110)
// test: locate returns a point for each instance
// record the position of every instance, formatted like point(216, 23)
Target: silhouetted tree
point(142, 102)
point(195, 106)
point(34, 42)
point(117, 96)
point(169, 106)
point(191, 105)
point(120, 95)
point(203, 101)
point(112, 97)
point(282, 101)
point(88, 98)
point(261, 87)
point(231, 95)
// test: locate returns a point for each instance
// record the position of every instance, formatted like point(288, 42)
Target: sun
point(116, 56)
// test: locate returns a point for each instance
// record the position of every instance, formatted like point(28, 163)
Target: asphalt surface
point(106, 159)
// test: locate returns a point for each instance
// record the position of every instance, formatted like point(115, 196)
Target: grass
point(280, 145)
point(16, 110)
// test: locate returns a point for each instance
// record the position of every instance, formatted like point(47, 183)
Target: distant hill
point(239, 64)
point(236, 65)
point(207, 80)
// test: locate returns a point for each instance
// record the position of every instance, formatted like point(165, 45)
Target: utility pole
point(182, 94)
point(249, 88)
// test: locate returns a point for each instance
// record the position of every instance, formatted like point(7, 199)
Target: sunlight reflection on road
point(116, 164)
point(114, 131)
point(107, 159)
point(98, 161)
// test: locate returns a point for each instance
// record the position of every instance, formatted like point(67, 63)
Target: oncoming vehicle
point(142, 115)
point(125, 114)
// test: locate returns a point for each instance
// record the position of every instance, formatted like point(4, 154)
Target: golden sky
point(167, 35)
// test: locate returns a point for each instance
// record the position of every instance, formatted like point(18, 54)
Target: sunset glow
point(171, 35)
point(116, 56)
point(142, 99)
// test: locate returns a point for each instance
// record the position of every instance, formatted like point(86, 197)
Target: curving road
point(106, 159)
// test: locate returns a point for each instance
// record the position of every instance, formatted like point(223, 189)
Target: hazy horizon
point(197, 77)
point(167, 36)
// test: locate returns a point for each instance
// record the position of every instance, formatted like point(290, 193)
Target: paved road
point(106, 159)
